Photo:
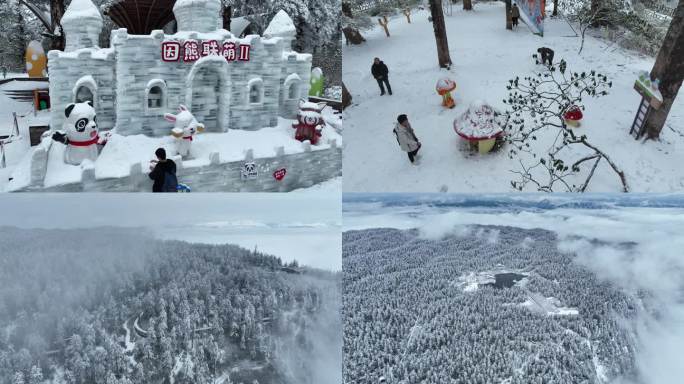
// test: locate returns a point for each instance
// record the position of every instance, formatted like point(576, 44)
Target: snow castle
point(226, 81)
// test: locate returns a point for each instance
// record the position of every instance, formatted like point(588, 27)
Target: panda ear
point(89, 103)
point(68, 109)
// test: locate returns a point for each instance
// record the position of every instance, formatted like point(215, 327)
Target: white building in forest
point(227, 82)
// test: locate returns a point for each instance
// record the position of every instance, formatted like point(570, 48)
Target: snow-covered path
point(130, 345)
point(485, 57)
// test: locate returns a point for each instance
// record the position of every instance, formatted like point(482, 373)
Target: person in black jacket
point(546, 55)
point(163, 172)
point(381, 74)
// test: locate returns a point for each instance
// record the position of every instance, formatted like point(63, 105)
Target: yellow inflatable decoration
point(36, 61)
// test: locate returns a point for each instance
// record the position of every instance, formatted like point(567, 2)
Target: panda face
point(80, 123)
point(310, 120)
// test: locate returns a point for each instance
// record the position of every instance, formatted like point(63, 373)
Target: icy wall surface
point(303, 169)
point(220, 90)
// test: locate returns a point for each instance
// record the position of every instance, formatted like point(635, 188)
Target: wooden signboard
point(647, 94)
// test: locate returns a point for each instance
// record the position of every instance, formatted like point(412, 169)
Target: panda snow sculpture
point(80, 134)
point(185, 128)
point(309, 121)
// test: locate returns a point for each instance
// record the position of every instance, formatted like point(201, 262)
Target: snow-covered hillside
point(599, 288)
point(485, 56)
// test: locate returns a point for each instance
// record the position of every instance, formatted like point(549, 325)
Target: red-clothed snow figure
point(309, 122)
point(573, 116)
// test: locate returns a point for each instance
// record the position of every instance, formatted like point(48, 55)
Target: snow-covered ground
point(550, 306)
point(485, 56)
point(121, 152)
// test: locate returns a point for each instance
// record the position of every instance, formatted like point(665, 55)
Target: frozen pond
point(506, 280)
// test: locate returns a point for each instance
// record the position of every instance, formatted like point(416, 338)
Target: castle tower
point(283, 27)
point(198, 15)
point(82, 23)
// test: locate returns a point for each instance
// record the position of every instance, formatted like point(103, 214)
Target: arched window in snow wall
point(85, 90)
point(155, 95)
point(255, 91)
point(292, 87)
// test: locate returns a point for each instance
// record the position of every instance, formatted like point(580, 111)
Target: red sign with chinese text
point(190, 51)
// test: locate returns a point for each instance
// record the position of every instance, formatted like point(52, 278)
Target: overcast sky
point(302, 226)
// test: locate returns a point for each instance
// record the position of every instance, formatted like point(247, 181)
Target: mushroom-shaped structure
point(480, 125)
point(282, 26)
point(572, 116)
point(82, 23)
point(444, 87)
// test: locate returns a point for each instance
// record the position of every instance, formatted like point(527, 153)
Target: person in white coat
point(406, 138)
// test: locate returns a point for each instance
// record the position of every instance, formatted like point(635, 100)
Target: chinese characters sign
point(192, 50)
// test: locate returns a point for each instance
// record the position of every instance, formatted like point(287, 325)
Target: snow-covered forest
point(531, 288)
point(410, 319)
point(112, 305)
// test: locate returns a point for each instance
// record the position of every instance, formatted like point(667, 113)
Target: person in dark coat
point(381, 74)
point(161, 169)
point(515, 14)
point(546, 55)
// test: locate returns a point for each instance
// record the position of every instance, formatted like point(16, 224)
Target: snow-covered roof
point(79, 10)
point(238, 25)
point(281, 25)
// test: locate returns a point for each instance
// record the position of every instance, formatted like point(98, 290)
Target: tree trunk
point(346, 97)
point(383, 23)
point(599, 14)
point(407, 13)
point(351, 34)
point(227, 15)
point(468, 5)
point(669, 69)
point(440, 34)
point(555, 8)
point(347, 10)
point(56, 12)
point(509, 19)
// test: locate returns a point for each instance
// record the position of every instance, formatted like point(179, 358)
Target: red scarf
point(90, 142)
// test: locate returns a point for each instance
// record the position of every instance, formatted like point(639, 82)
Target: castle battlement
point(226, 81)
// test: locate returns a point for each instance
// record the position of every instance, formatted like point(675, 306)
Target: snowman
point(185, 128)
point(79, 133)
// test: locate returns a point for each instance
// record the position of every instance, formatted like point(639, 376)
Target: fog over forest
point(112, 305)
point(296, 226)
